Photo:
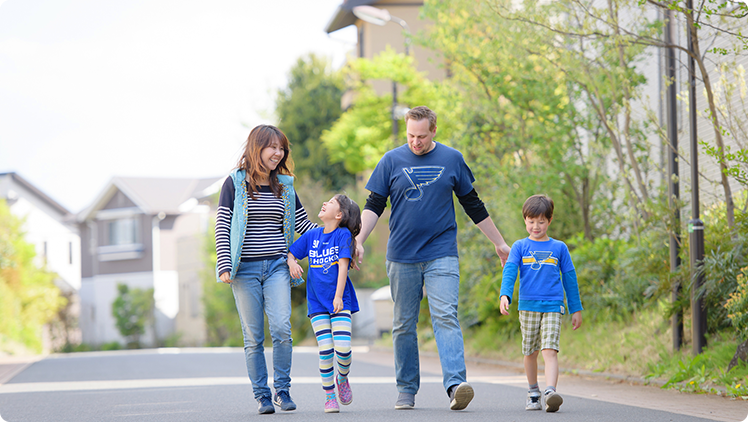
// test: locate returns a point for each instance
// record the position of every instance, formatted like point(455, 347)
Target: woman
point(258, 212)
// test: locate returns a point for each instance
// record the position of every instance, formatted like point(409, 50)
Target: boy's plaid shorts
point(540, 330)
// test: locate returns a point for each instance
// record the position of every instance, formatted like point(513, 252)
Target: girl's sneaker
point(552, 400)
point(344, 390)
point(331, 403)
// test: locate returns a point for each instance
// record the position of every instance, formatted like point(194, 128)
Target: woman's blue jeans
point(441, 277)
point(265, 286)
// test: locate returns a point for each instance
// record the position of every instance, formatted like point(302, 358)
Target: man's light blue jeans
point(441, 277)
point(258, 286)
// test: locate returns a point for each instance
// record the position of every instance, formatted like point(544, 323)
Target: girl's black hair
point(351, 220)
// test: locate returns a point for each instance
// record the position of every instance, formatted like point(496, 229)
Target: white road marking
point(38, 387)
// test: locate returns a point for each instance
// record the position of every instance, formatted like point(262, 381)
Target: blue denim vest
point(239, 218)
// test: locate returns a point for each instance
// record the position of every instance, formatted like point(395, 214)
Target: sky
point(93, 89)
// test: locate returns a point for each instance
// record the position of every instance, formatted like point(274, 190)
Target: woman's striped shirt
point(264, 233)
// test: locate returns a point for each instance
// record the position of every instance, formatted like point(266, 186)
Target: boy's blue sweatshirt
point(545, 273)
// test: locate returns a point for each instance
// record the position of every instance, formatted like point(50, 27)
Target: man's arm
point(375, 205)
point(492, 233)
point(476, 210)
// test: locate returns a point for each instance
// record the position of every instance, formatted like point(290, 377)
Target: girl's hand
point(295, 269)
point(337, 304)
point(225, 277)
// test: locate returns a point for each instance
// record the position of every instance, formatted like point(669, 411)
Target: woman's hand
point(225, 277)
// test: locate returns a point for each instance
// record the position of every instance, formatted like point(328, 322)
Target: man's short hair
point(538, 205)
point(420, 113)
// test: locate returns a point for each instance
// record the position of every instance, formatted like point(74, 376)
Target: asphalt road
point(211, 385)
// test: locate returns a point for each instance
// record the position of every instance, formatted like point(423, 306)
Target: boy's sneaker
point(283, 400)
point(405, 401)
point(331, 403)
point(344, 391)
point(552, 400)
point(460, 396)
point(533, 400)
point(265, 406)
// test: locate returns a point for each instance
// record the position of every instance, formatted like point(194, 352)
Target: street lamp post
point(380, 17)
point(673, 174)
point(695, 225)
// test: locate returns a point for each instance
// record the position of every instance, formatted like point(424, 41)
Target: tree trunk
point(741, 353)
point(729, 203)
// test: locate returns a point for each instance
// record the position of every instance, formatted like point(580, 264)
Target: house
point(51, 228)
point(146, 233)
point(373, 38)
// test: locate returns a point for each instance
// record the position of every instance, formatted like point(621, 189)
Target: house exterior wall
point(374, 39)
point(56, 242)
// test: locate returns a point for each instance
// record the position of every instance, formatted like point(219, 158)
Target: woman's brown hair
point(260, 137)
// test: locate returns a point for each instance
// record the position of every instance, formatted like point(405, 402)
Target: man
point(422, 249)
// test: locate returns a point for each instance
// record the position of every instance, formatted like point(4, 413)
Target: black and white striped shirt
point(263, 238)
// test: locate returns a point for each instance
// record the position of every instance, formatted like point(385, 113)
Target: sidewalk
point(10, 366)
point(605, 387)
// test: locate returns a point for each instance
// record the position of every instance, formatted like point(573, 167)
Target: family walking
point(259, 212)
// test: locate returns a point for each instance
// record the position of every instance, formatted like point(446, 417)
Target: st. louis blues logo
point(538, 259)
point(420, 177)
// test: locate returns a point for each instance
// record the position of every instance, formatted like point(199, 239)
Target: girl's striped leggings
point(333, 334)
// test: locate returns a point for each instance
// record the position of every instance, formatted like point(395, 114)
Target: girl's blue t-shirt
point(324, 251)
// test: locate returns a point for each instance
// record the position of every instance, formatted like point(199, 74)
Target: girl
point(330, 296)
point(257, 213)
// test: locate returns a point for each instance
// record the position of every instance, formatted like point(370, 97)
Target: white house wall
point(43, 224)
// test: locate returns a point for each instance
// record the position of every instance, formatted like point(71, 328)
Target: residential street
point(211, 385)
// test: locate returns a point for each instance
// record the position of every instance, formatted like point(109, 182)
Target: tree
point(28, 297)
point(305, 108)
point(132, 310)
point(620, 26)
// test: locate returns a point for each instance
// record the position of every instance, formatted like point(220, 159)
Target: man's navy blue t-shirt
point(422, 220)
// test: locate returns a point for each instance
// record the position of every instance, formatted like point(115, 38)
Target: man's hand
point(225, 277)
point(503, 252)
point(576, 319)
point(504, 305)
point(359, 254)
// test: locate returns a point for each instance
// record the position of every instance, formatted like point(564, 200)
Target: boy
point(545, 273)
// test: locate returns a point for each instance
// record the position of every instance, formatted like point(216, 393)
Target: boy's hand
point(295, 269)
point(337, 304)
point(504, 305)
point(576, 319)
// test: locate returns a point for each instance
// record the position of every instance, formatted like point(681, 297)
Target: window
point(123, 231)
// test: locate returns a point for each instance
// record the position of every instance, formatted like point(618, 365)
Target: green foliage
point(364, 132)
point(305, 108)
point(737, 305)
point(702, 373)
point(132, 310)
point(28, 297)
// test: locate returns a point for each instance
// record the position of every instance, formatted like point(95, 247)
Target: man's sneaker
point(405, 401)
point(283, 400)
point(331, 403)
point(460, 396)
point(533, 400)
point(265, 406)
point(552, 400)
point(344, 391)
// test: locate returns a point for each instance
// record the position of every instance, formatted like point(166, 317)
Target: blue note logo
point(421, 177)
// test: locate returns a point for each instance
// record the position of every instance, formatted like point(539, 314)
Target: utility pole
point(695, 225)
point(673, 172)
